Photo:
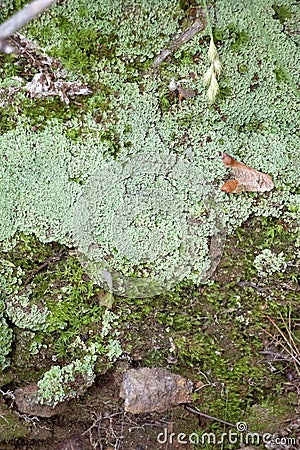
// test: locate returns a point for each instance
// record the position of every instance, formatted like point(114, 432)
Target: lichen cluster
point(50, 152)
point(64, 383)
point(255, 121)
point(268, 262)
point(162, 216)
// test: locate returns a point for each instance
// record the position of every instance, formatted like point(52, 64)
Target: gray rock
point(147, 390)
point(27, 403)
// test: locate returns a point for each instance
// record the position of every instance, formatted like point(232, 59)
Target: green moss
point(59, 307)
point(282, 12)
point(11, 426)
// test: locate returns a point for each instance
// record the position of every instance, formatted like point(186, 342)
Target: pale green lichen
point(6, 336)
point(109, 320)
point(19, 308)
point(268, 262)
point(114, 349)
point(64, 383)
point(162, 214)
point(25, 314)
point(38, 173)
point(61, 384)
point(255, 120)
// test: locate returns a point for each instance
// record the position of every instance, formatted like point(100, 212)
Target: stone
point(27, 402)
point(148, 390)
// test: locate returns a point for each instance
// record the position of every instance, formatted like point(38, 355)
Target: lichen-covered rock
point(145, 390)
point(25, 314)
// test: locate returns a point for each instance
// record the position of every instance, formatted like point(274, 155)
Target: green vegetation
point(63, 383)
point(57, 327)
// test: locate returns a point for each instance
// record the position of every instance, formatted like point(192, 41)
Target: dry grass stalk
point(288, 343)
point(210, 78)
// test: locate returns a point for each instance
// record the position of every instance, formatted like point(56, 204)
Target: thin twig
point(290, 348)
point(247, 284)
point(289, 332)
point(198, 25)
point(207, 416)
point(209, 25)
point(277, 356)
point(280, 343)
point(216, 419)
point(51, 259)
point(20, 19)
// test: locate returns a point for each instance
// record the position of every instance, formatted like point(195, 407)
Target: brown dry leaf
point(245, 179)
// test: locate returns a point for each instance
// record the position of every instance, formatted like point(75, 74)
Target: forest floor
point(232, 337)
point(95, 95)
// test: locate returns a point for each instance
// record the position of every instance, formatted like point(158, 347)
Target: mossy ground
point(213, 334)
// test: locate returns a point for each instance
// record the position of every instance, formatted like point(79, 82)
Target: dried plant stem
point(209, 26)
point(210, 78)
point(20, 19)
point(289, 345)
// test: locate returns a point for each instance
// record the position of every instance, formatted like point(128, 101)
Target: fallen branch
point(52, 259)
point(198, 25)
point(20, 19)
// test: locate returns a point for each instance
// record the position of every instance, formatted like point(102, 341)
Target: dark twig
point(50, 260)
point(20, 19)
point(276, 356)
point(247, 284)
point(207, 416)
point(216, 419)
point(198, 25)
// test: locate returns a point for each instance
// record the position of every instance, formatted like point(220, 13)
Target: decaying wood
point(245, 178)
point(47, 85)
point(51, 79)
